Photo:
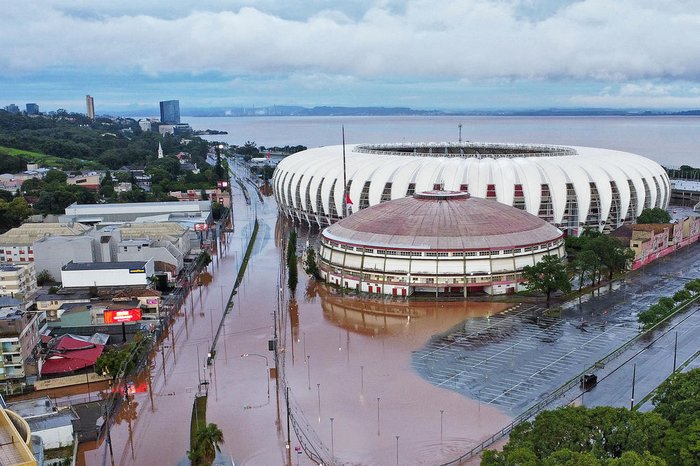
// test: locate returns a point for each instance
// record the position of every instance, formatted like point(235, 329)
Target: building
point(440, 242)
point(570, 187)
point(15, 439)
point(185, 213)
point(90, 180)
point(16, 245)
point(170, 112)
point(18, 280)
point(654, 240)
point(12, 108)
point(90, 106)
point(53, 252)
point(32, 109)
point(46, 420)
point(19, 336)
point(106, 274)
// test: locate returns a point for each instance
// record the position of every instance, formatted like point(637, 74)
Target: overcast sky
point(466, 54)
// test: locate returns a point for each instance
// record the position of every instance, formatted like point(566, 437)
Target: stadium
point(441, 242)
point(569, 187)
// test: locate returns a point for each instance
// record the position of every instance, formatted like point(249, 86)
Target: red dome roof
point(442, 220)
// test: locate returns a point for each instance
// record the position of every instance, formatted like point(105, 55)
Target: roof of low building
point(442, 220)
point(70, 354)
point(28, 233)
point(104, 265)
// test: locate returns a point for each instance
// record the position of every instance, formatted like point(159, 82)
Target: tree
point(292, 273)
point(547, 276)
point(612, 254)
point(654, 215)
point(44, 277)
point(586, 265)
point(13, 213)
point(207, 441)
point(310, 266)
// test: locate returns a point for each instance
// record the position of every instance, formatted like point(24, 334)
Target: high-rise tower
point(90, 104)
point(170, 112)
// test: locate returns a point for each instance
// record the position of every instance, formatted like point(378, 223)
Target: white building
point(85, 275)
point(570, 187)
point(18, 280)
point(438, 242)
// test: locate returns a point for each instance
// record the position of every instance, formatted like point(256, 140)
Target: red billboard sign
point(117, 316)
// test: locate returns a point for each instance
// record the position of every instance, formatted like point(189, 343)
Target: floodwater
point(344, 358)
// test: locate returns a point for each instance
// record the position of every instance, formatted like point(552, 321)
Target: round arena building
point(441, 242)
point(569, 187)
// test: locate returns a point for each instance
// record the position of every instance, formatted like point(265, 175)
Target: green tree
point(310, 265)
point(682, 295)
point(612, 254)
point(631, 458)
point(693, 286)
point(207, 441)
point(44, 277)
point(654, 215)
point(678, 399)
point(547, 276)
point(13, 213)
point(586, 265)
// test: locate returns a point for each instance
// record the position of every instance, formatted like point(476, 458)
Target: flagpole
point(345, 183)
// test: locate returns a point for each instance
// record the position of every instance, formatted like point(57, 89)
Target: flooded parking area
point(511, 359)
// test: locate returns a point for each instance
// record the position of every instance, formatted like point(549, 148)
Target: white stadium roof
point(567, 186)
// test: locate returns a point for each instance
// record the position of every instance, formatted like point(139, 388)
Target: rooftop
point(442, 220)
point(104, 265)
point(28, 233)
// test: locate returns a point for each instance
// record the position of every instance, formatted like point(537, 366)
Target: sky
point(424, 54)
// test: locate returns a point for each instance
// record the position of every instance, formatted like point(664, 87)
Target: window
point(483, 253)
point(464, 187)
point(491, 191)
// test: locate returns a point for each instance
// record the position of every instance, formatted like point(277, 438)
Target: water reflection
point(372, 316)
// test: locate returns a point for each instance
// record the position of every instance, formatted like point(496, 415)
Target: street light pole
point(634, 373)
point(378, 398)
point(308, 369)
point(397, 450)
point(332, 442)
point(442, 411)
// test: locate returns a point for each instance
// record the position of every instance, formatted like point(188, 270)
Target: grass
point(199, 416)
point(46, 160)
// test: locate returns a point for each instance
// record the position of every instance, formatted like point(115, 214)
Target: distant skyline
point(453, 55)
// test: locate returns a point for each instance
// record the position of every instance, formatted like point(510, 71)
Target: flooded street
point(371, 381)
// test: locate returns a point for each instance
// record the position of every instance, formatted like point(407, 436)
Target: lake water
point(671, 141)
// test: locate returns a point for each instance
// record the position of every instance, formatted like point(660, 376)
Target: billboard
point(201, 227)
point(117, 316)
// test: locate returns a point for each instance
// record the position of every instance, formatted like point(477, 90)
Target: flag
point(268, 155)
point(347, 199)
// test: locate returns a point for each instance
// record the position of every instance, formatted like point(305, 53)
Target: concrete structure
point(570, 187)
point(50, 303)
point(86, 180)
point(53, 252)
point(16, 245)
point(46, 420)
point(12, 108)
point(15, 440)
point(652, 241)
point(18, 280)
point(90, 106)
point(189, 214)
point(222, 196)
point(437, 242)
point(170, 112)
point(19, 335)
point(167, 243)
point(103, 274)
point(32, 109)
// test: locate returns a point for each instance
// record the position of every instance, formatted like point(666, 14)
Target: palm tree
point(208, 439)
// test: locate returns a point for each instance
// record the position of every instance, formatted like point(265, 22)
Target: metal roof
point(439, 220)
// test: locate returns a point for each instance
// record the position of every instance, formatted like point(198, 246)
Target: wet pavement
point(371, 381)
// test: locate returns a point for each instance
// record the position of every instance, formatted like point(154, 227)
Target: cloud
point(458, 40)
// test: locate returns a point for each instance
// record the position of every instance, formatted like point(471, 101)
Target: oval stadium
point(569, 187)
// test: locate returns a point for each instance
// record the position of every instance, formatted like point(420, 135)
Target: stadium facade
point(441, 242)
point(569, 187)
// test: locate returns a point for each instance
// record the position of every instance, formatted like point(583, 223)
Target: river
point(670, 140)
